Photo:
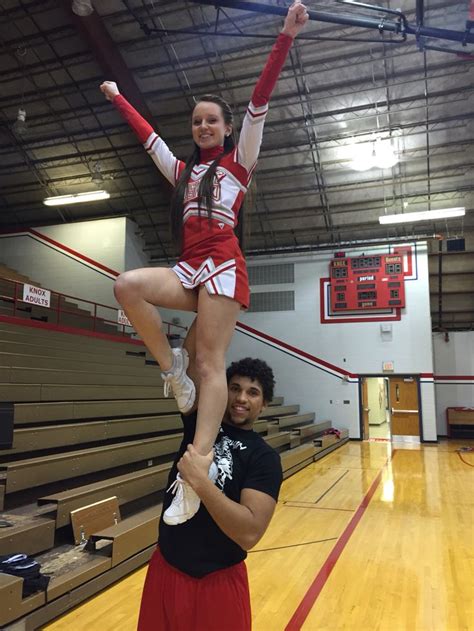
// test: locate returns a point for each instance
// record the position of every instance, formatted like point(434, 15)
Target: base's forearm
point(234, 519)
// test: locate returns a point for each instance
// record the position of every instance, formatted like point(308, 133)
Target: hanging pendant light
point(20, 126)
point(82, 8)
point(384, 156)
point(378, 154)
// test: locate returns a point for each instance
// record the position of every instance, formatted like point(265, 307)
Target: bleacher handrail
point(121, 328)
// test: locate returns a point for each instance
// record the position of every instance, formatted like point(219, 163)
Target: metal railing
point(95, 314)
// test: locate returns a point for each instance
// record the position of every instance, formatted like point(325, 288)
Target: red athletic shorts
point(174, 601)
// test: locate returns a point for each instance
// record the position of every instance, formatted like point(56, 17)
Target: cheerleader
point(210, 276)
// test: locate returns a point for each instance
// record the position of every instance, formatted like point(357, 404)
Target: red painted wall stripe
point(61, 246)
point(454, 377)
point(83, 257)
point(304, 355)
point(303, 609)
point(295, 350)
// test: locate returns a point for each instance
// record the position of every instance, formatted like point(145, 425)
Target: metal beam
point(317, 16)
point(400, 26)
point(108, 56)
point(420, 12)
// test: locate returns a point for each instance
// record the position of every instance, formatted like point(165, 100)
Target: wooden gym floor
point(373, 537)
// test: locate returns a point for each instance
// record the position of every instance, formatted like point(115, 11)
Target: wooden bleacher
point(90, 422)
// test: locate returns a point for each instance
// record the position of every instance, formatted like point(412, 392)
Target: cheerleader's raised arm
point(252, 127)
point(155, 146)
point(251, 133)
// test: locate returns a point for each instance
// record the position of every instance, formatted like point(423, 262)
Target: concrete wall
point(135, 256)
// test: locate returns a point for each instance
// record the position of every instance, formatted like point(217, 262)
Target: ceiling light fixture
point(20, 126)
point(78, 198)
point(82, 8)
point(384, 156)
point(424, 215)
point(97, 178)
point(362, 157)
point(370, 155)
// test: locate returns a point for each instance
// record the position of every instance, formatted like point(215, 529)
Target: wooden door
point(404, 406)
point(365, 410)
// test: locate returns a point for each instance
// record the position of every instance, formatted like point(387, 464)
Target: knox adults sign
point(36, 295)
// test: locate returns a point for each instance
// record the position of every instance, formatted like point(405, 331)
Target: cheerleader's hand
point(296, 19)
point(109, 88)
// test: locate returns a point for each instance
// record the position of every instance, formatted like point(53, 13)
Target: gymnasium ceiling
point(332, 94)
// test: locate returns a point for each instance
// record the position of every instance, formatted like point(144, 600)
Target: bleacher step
point(277, 440)
point(297, 458)
point(260, 427)
point(280, 410)
point(131, 535)
point(28, 535)
point(25, 474)
point(330, 439)
point(276, 401)
point(24, 375)
point(12, 603)
point(313, 429)
point(116, 357)
point(67, 435)
point(67, 341)
point(46, 362)
point(72, 568)
point(286, 422)
point(36, 413)
point(126, 488)
point(68, 392)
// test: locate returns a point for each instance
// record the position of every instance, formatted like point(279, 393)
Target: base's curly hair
point(256, 370)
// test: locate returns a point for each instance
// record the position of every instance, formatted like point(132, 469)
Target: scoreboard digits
point(367, 282)
point(365, 262)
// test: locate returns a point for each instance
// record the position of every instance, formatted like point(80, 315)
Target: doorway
point(390, 408)
point(376, 408)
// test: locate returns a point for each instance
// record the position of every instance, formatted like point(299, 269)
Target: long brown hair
point(207, 182)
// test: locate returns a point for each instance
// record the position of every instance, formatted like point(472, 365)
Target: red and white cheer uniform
point(211, 253)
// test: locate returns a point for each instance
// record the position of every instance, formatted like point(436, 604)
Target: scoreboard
point(367, 282)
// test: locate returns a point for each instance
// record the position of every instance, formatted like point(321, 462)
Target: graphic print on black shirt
point(245, 461)
point(223, 457)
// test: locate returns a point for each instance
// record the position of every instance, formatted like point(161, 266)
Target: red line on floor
point(465, 461)
point(305, 606)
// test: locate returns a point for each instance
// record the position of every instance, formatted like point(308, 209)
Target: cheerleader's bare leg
point(138, 291)
point(215, 324)
point(211, 334)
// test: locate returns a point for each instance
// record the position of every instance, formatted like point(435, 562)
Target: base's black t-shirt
point(244, 461)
